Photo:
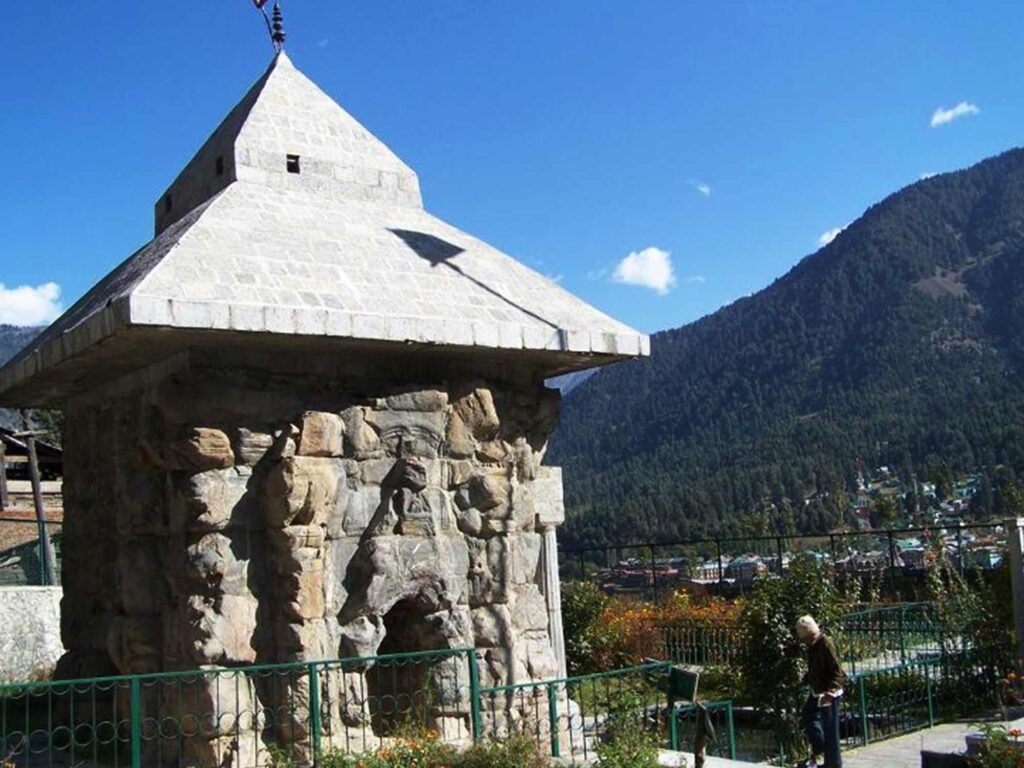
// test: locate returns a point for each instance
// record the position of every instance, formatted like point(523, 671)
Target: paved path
point(905, 751)
point(675, 759)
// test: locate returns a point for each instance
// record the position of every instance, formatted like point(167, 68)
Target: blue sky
point(589, 138)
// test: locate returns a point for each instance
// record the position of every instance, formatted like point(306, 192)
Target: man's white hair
point(807, 626)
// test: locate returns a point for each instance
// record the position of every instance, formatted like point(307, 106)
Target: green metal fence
point(883, 703)
point(683, 728)
point(698, 642)
point(257, 716)
point(889, 636)
point(569, 717)
point(240, 717)
point(21, 558)
point(876, 638)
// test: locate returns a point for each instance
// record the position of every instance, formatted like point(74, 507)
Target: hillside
point(12, 339)
point(900, 343)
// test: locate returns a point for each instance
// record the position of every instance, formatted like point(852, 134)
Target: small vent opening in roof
point(294, 164)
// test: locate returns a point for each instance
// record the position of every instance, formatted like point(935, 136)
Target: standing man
point(825, 677)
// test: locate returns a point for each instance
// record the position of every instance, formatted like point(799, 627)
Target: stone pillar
point(550, 514)
point(1015, 536)
point(553, 593)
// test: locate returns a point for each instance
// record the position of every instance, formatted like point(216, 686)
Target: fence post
point(732, 731)
point(474, 697)
point(556, 750)
point(673, 727)
point(46, 559)
point(721, 571)
point(863, 708)
point(903, 642)
point(892, 564)
point(1015, 536)
point(778, 549)
point(314, 712)
point(135, 724)
point(3, 476)
point(931, 703)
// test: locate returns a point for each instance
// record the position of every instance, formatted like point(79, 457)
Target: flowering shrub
point(1003, 748)
point(632, 623)
point(603, 632)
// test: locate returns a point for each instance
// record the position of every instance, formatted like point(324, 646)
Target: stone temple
point(308, 420)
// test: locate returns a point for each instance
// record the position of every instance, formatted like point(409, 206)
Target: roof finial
point(278, 35)
point(276, 28)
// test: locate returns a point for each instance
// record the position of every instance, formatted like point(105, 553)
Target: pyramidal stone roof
point(294, 220)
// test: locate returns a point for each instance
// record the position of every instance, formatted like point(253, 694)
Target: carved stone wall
point(220, 515)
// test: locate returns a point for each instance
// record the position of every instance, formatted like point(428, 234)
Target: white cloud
point(942, 116)
point(700, 186)
point(555, 278)
point(827, 237)
point(26, 305)
point(597, 274)
point(696, 279)
point(651, 268)
point(928, 175)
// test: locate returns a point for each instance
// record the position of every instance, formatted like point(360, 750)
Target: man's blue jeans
point(821, 724)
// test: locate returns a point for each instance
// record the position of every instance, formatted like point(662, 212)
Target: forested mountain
point(899, 343)
point(12, 339)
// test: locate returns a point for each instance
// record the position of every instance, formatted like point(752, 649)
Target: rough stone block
point(524, 552)
point(303, 490)
point(491, 626)
point(203, 449)
point(418, 400)
point(353, 512)
point(338, 555)
point(225, 629)
point(322, 434)
point(251, 446)
point(547, 496)
point(529, 610)
point(361, 439)
point(214, 566)
point(215, 500)
point(478, 413)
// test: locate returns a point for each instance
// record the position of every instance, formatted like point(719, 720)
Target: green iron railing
point(698, 642)
point(890, 636)
point(870, 639)
point(21, 557)
point(683, 728)
point(568, 717)
point(240, 717)
point(883, 703)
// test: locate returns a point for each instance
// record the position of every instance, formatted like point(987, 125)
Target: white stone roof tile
point(344, 249)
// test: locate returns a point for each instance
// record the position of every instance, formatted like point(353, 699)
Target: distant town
point(890, 527)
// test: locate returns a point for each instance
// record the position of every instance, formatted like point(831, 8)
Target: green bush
point(516, 752)
point(773, 660)
point(582, 606)
point(427, 752)
point(627, 743)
